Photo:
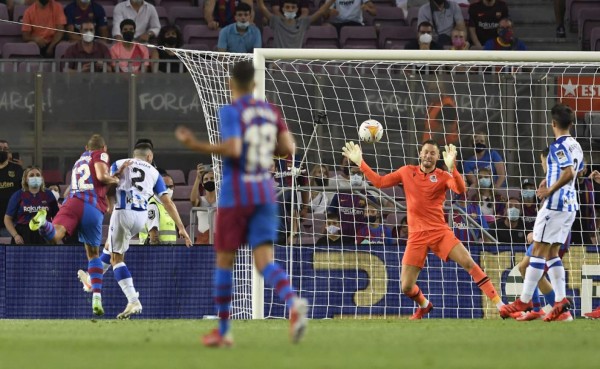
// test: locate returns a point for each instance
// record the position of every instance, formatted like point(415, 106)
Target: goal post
point(448, 96)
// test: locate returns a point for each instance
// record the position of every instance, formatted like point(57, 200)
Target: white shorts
point(552, 226)
point(124, 224)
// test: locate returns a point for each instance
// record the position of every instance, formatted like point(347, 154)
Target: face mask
point(128, 36)
point(44, 2)
point(506, 34)
point(356, 180)
point(425, 38)
point(170, 193)
point(171, 41)
point(513, 214)
point(84, 2)
point(458, 43)
point(333, 229)
point(56, 195)
point(322, 181)
point(137, 1)
point(346, 170)
point(3, 156)
point(88, 37)
point(528, 194)
point(485, 182)
point(34, 182)
point(242, 25)
point(289, 15)
point(479, 147)
point(209, 186)
point(372, 218)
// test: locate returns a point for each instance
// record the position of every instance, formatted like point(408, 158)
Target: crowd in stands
point(84, 29)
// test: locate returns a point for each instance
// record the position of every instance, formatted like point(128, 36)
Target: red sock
point(484, 283)
point(416, 295)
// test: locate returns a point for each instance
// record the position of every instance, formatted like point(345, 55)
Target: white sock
point(96, 295)
point(533, 274)
point(125, 283)
point(499, 304)
point(424, 304)
point(556, 272)
point(105, 266)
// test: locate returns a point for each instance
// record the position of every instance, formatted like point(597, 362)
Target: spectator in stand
point(87, 48)
point(207, 201)
point(444, 16)
point(302, 7)
point(490, 203)
point(287, 29)
point(463, 229)
point(129, 52)
point(530, 205)
point(24, 204)
point(80, 11)
point(349, 12)
point(342, 180)
point(584, 227)
point(559, 15)
point(241, 36)
point(332, 232)
point(11, 175)
point(510, 229)
point(484, 17)
point(349, 206)
point(459, 40)
point(169, 36)
point(372, 232)
point(142, 13)
point(505, 39)
point(424, 40)
point(484, 158)
point(399, 235)
point(319, 178)
point(221, 13)
point(45, 13)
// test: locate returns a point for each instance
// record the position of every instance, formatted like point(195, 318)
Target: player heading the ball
point(252, 131)
point(425, 187)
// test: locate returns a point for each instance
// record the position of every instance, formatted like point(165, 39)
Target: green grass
point(365, 344)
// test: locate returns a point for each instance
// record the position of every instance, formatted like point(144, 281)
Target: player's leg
point(557, 275)
point(90, 233)
point(83, 275)
point(65, 222)
point(537, 312)
point(262, 232)
point(412, 263)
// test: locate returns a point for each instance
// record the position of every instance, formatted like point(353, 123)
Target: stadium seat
point(314, 224)
point(192, 176)
point(18, 12)
point(572, 10)
point(321, 37)
point(589, 18)
point(358, 38)
point(184, 207)
point(268, 38)
point(52, 176)
point(182, 192)
point(20, 50)
point(5, 240)
point(393, 219)
point(61, 48)
point(183, 16)
point(168, 4)
point(389, 17)
point(177, 175)
point(3, 12)
point(595, 39)
point(308, 239)
point(199, 47)
point(9, 32)
point(163, 15)
point(106, 3)
point(413, 17)
point(201, 34)
point(395, 37)
point(109, 10)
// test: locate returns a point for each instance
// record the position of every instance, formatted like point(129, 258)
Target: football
point(370, 131)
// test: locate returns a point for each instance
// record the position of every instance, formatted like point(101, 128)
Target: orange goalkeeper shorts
point(440, 242)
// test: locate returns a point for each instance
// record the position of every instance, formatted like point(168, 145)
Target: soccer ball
point(370, 131)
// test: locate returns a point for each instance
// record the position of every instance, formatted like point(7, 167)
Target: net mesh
point(504, 106)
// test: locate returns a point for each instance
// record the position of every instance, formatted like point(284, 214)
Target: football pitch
point(50, 344)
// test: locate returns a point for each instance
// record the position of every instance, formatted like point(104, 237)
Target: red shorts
point(440, 242)
point(253, 224)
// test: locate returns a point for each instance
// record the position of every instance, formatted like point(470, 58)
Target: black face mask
point(128, 36)
point(44, 2)
point(479, 147)
point(171, 41)
point(3, 156)
point(372, 218)
point(439, 2)
point(322, 181)
point(346, 170)
point(209, 186)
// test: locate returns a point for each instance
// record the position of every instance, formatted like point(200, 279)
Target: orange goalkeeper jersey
point(425, 193)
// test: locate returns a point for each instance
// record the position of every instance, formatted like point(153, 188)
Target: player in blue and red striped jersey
point(84, 210)
point(252, 131)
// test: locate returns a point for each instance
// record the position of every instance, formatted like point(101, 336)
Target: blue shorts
point(253, 224)
point(564, 247)
point(77, 215)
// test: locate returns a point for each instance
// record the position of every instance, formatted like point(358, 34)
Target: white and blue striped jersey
point(564, 152)
point(137, 184)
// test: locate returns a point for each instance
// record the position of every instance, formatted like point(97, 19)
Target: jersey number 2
point(140, 178)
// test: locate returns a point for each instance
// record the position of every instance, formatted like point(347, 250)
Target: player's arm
point(161, 189)
point(354, 154)
point(103, 175)
point(457, 183)
point(567, 174)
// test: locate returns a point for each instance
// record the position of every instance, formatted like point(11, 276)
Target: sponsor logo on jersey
point(34, 209)
point(151, 214)
point(104, 157)
point(562, 158)
point(11, 173)
point(433, 178)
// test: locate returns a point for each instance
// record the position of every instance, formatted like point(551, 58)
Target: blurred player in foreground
point(555, 219)
point(84, 210)
point(252, 131)
point(425, 187)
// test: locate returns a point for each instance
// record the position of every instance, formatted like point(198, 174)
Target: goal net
point(342, 240)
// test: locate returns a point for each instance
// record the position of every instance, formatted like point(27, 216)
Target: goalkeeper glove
point(449, 156)
point(352, 152)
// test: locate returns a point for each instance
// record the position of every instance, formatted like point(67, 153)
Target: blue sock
point(47, 231)
point(222, 295)
point(535, 299)
point(549, 297)
point(279, 279)
point(95, 272)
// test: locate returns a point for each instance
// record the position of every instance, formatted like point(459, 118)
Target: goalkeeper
point(425, 188)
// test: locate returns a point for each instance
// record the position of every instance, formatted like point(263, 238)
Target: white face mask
point(425, 38)
point(170, 193)
point(513, 214)
point(356, 180)
point(333, 229)
point(88, 37)
point(242, 25)
point(289, 15)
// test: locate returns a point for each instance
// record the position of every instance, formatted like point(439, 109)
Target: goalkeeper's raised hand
point(449, 157)
point(352, 152)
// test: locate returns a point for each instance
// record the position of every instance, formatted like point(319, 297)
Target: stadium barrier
point(39, 282)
